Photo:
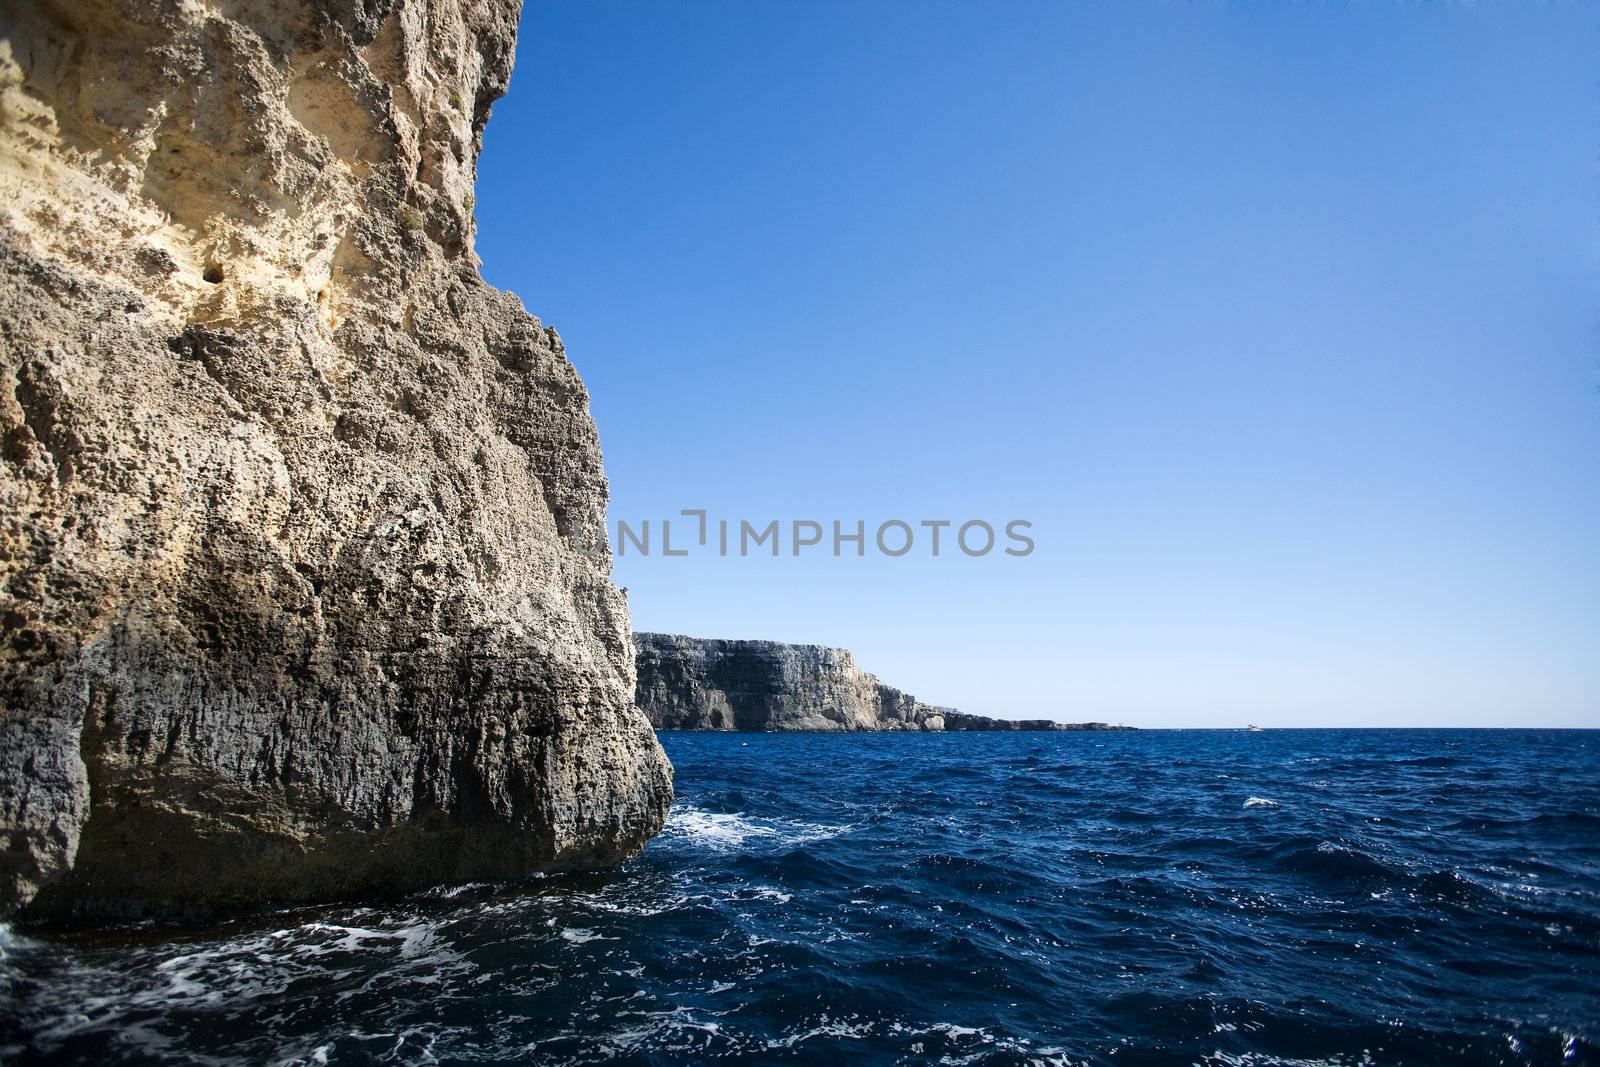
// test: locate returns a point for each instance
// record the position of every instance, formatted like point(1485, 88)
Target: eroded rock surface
point(303, 565)
point(693, 683)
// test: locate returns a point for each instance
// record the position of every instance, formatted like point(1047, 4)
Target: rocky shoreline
point(691, 683)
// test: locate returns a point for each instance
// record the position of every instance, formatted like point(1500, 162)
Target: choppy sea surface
point(1205, 897)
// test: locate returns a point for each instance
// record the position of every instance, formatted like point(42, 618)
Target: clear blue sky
point(1277, 321)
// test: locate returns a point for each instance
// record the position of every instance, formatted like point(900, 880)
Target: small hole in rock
point(213, 274)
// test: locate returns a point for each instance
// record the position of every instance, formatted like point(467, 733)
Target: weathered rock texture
point(692, 683)
point(303, 564)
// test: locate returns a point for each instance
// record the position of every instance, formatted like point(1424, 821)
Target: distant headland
point(694, 683)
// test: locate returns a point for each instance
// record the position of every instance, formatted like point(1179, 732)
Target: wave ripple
point(1293, 898)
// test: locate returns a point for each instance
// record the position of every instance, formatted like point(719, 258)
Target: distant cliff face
point(687, 683)
point(691, 683)
point(303, 564)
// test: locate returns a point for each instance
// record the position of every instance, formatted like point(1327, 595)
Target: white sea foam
point(9, 941)
point(1053, 1057)
point(678, 1032)
point(448, 892)
point(1260, 802)
point(724, 832)
point(579, 936)
point(851, 1029)
point(975, 1044)
point(1263, 1059)
point(251, 970)
point(768, 893)
point(644, 908)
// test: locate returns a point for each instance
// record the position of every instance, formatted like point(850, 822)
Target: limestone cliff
point(303, 564)
point(691, 683)
point(688, 683)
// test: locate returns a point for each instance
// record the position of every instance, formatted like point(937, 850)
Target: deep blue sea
point(1190, 897)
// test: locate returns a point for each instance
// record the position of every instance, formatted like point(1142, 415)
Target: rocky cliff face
point(688, 683)
point(691, 683)
point(303, 565)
